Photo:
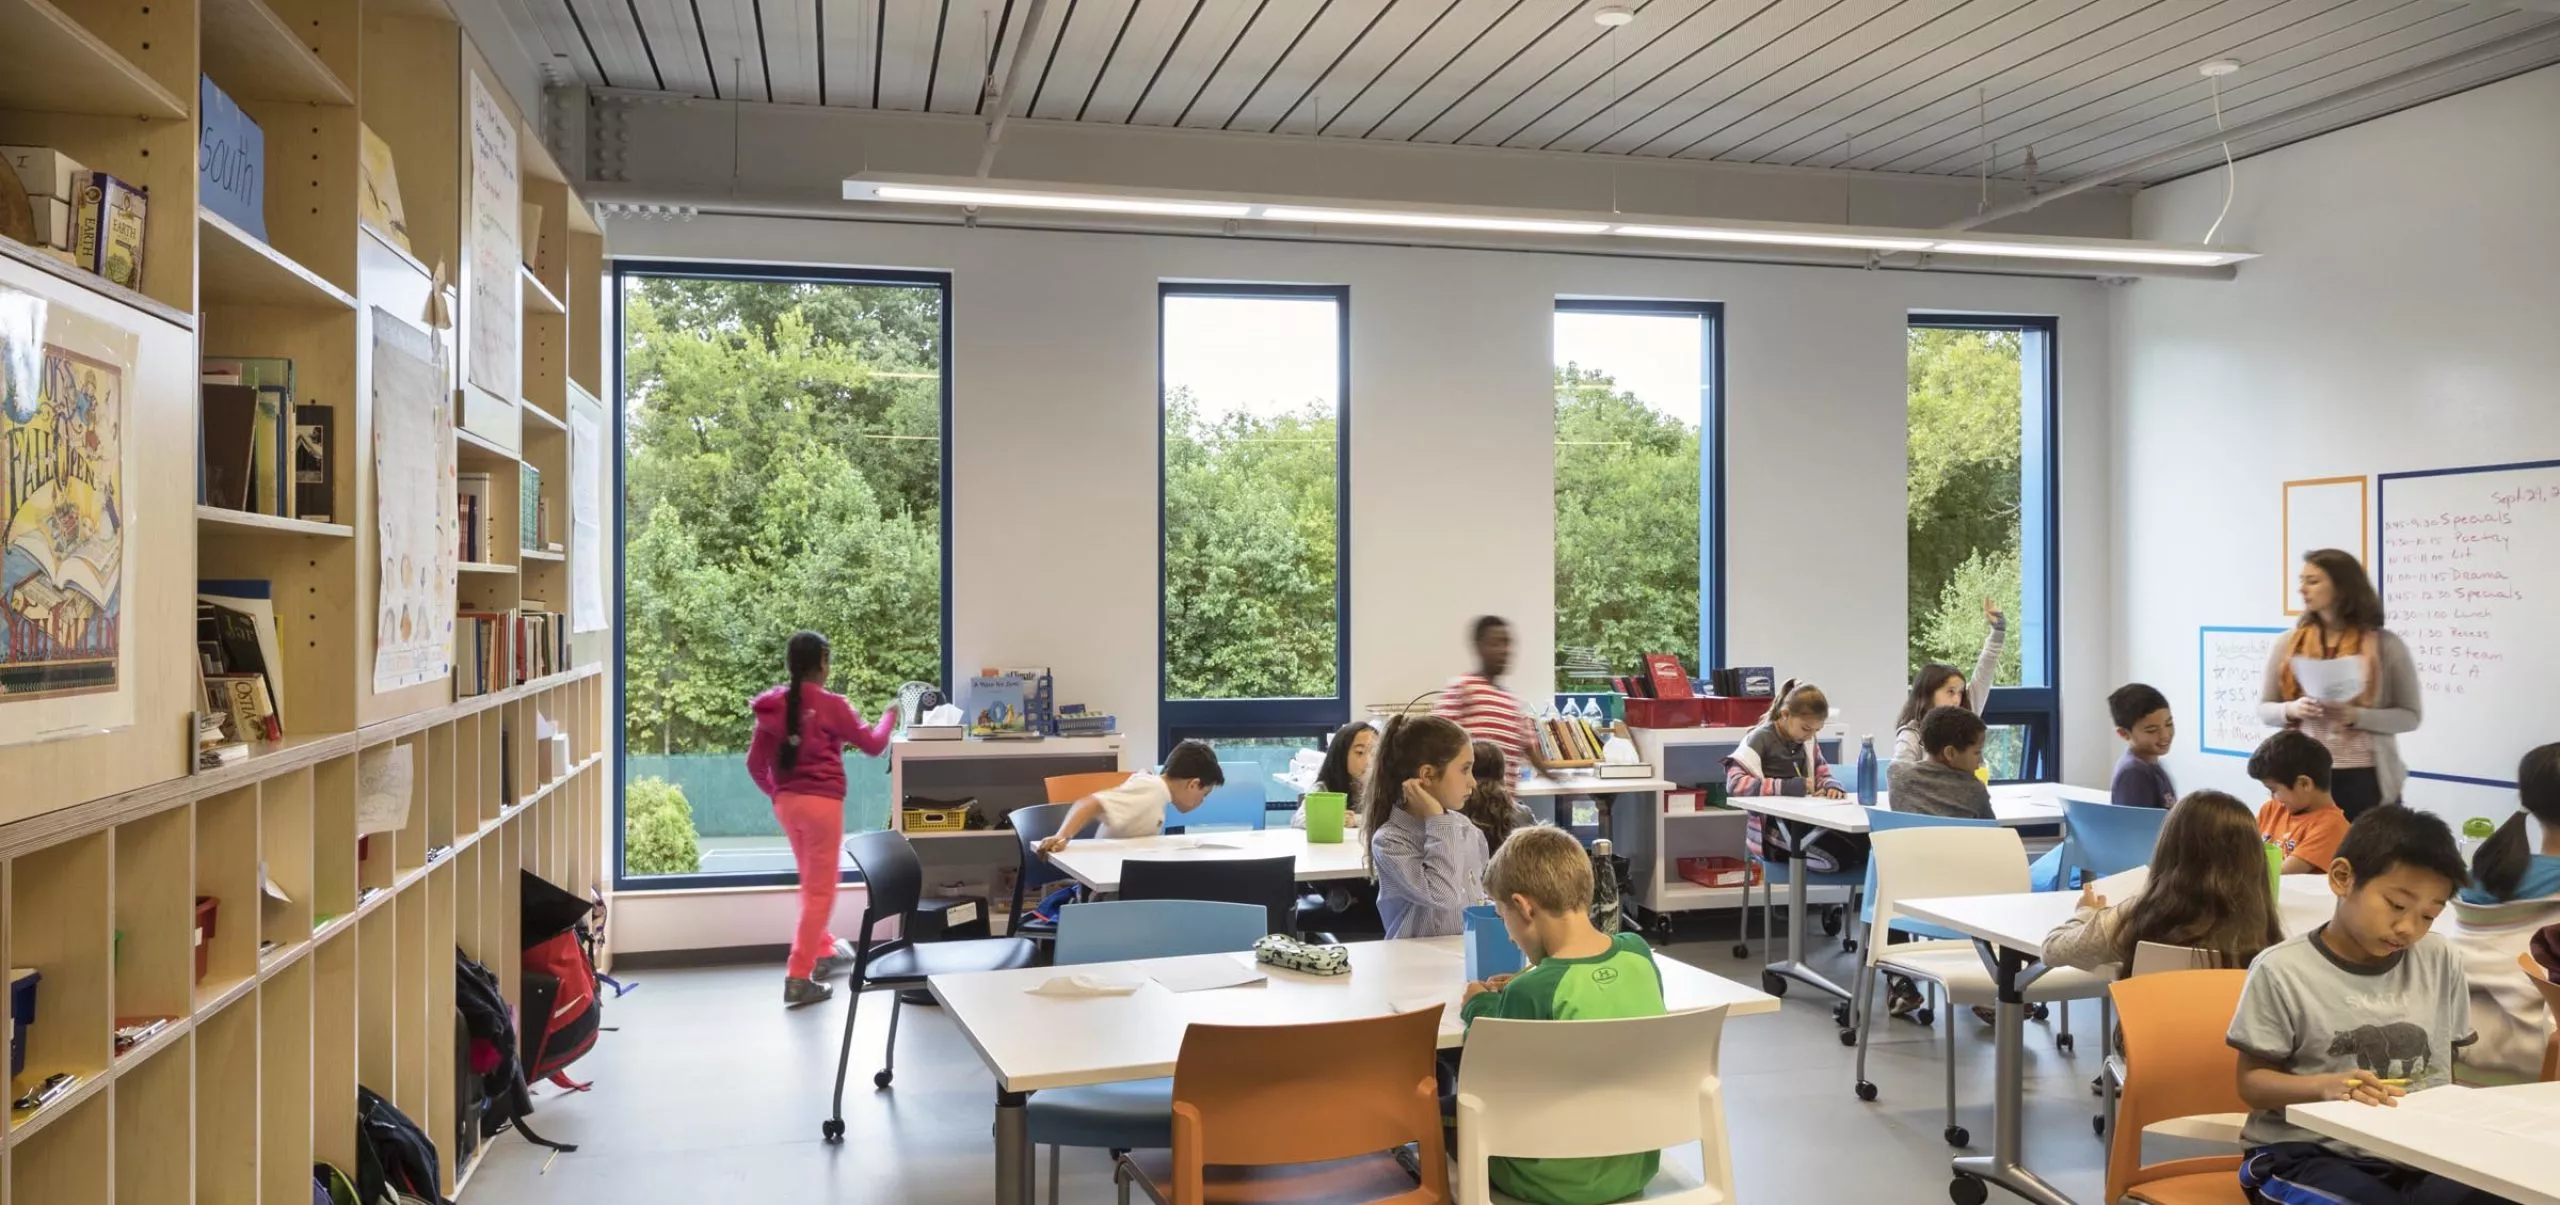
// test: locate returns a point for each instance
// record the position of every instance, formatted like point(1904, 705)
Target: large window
point(1638, 448)
point(1982, 520)
point(1254, 382)
point(782, 468)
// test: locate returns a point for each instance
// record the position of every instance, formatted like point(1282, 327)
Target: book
point(228, 437)
point(238, 619)
point(46, 173)
point(266, 440)
point(1669, 680)
point(995, 705)
point(271, 491)
point(529, 507)
point(315, 469)
point(245, 698)
point(111, 228)
point(473, 512)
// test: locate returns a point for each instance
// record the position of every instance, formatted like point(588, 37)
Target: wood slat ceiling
point(1932, 87)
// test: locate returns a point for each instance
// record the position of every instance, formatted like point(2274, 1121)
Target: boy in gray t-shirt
point(2368, 1007)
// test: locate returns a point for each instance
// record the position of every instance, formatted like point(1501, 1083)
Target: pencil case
point(1290, 954)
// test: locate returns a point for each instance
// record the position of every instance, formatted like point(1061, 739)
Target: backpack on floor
point(394, 1160)
point(493, 1052)
point(562, 1009)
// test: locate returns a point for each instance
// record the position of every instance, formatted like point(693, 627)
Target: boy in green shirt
point(1540, 882)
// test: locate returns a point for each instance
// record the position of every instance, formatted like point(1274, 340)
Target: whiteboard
point(2231, 668)
point(2470, 560)
point(2327, 512)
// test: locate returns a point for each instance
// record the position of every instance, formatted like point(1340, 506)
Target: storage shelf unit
point(107, 840)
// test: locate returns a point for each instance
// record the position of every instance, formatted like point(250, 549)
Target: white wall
point(1055, 445)
point(2406, 316)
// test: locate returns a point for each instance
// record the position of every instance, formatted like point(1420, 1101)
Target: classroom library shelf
point(323, 958)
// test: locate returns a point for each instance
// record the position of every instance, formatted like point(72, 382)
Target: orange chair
point(1242, 1097)
point(2550, 989)
point(2175, 1065)
point(1068, 788)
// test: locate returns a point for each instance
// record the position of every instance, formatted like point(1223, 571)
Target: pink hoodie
point(827, 725)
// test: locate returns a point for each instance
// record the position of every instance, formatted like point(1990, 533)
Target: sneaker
point(798, 992)
point(1902, 998)
point(834, 963)
point(1986, 1014)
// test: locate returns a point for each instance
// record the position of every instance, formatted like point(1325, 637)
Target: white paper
point(384, 784)
point(413, 482)
point(2333, 680)
point(2503, 1112)
point(586, 524)
point(1084, 985)
point(496, 294)
point(1203, 973)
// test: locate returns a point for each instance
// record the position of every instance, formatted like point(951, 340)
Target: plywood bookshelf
point(107, 841)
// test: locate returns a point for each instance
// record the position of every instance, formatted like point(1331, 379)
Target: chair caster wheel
point(1968, 1190)
point(1959, 1136)
point(882, 1079)
point(1924, 1016)
point(2098, 1125)
point(1840, 1014)
point(2038, 1012)
point(1742, 949)
point(1832, 918)
point(2062, 1042)
point(1773, 983)
point(1866, 1090)
point(1848, 1036)
point(832, 1130)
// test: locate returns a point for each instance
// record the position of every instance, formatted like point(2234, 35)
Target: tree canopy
point(1964, 505)
point(1626, 493)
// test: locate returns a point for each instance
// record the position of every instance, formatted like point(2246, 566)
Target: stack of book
point(260, 449)
point(483, 656)
point(531, 516)
point(1569, 739)
point(1074, 720)
point(475, 515)
point(240, 662)
point(542, 642)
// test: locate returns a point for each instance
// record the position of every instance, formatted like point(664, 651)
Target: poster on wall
point(586, 524)
point(413, 481)
point(65, 379)
point(494, 362)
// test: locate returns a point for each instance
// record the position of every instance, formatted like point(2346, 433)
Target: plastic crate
point(22, 1013)
point(1666, 713)
point(1721, 712)
point(935, 820)
point(1720, 871)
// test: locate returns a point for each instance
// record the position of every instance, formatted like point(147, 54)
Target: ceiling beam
point(1001, 104)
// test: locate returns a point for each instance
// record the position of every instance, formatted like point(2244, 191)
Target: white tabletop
point(2015, 805)
point(1588, 784)
point(2020, 921)
point(1095, 862)
point(2500, 1140)
point(1032, 1042)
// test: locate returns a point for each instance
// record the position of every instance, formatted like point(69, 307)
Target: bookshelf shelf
point(19, 253)
point(536, 554)
point(542, 420)
point(239, 269)
point(474, 448)
point(484, 567)
point(57, 66)
point(252, 53)
point(224, 520)
point(537, 295)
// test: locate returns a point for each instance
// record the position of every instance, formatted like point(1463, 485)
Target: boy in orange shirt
point(2303, 819)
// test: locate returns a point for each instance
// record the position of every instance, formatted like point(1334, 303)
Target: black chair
point(1031, 826)
point(894, 880)
point(1267, 883)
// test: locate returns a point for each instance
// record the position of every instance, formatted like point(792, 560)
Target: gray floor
point(710, 1092)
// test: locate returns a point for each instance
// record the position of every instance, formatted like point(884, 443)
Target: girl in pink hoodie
point(797, 758)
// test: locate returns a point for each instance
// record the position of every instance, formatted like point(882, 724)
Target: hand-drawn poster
point(494, 362)
point(586, 524)
point(64, 383)
point(413, 481)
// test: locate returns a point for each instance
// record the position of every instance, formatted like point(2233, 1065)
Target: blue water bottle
point(1867, 772)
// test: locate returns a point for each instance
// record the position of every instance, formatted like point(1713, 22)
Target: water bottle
point(1867, 772)
point(1604, 887)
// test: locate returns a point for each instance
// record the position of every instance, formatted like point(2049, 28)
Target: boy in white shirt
point(1136, 808)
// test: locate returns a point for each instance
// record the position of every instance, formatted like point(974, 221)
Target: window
point(1254, 381)
point(1639, 450)
point(1982, 396)
point(782, 467)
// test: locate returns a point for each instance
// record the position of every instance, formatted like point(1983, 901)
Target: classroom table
point(2499, 1140)
point(1095, 862)
point(1032, 1042)
point(2016, 805)
point(2009, 931)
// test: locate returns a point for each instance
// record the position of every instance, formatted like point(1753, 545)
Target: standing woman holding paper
point(2346, 681)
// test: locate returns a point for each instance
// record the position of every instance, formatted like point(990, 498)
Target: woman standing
point(797, 758)
point(2342, 621)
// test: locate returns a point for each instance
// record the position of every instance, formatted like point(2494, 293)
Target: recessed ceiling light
point(922, 195)
point(1611, 16)
point(1435, 221)
point(1780, 238)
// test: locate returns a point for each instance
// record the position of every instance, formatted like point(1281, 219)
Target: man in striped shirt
point(1480, 705)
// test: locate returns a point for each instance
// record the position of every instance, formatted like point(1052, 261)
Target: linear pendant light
point(971, 193)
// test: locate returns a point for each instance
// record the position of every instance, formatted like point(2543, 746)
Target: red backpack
point(562, 1011)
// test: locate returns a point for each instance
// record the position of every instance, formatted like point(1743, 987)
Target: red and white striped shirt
point(1490, 713)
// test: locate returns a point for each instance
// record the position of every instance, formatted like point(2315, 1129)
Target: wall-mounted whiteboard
point(2231, 666)
point(2470, 578)
point(2323, 512)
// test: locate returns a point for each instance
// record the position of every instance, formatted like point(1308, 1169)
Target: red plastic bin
point(1666, 713)
point(1720, 871)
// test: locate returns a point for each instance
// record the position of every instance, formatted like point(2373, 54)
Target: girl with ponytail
point(2514, 892)
point(797, 759)
point(1428, 857)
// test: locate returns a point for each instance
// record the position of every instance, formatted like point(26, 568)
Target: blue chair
point(1032, 825)
point(1240, 803)
point(2107, 839)
point(1137, 1115)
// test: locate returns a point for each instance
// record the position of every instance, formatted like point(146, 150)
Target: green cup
point(2275, 869)
point(1324, 817)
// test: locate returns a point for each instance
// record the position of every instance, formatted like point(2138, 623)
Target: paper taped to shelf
point(384, 781)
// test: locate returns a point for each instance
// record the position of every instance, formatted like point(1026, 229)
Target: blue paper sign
point(233, 155)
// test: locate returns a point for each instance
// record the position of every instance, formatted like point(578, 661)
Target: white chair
point(1936, 862)
point(1578, 1089)
point(2151, 958)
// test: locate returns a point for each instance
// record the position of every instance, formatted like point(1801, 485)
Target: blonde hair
point(1546, 864)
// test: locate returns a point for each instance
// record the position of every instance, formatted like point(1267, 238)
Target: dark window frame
point(2038, 628)
point(1209, 719)
point(623, 270)
point(1711, 460)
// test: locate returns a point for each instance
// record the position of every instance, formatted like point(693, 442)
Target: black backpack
point(392, 1154)
point(493, 1051)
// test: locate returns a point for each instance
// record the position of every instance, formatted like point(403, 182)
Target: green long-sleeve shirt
point(1623, 982)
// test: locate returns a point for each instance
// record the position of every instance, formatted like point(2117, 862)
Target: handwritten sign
point(2231, 671)
point(494, 362)
point(2470, 572)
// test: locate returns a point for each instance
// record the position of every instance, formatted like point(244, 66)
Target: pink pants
point(814, 824)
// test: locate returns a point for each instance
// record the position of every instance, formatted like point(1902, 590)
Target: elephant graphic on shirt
point(2377, 1047)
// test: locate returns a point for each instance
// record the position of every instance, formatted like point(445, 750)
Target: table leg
point(1797, 922)
point(1013, 1148)
point(2005, 1165)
